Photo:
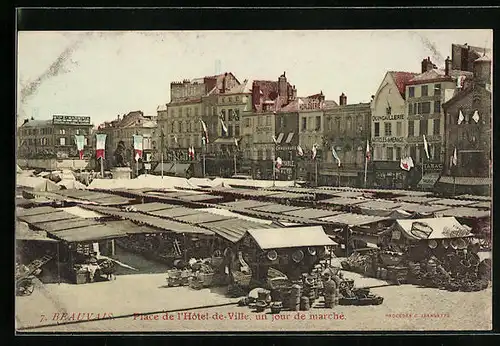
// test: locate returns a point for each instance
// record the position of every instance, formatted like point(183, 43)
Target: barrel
point(383, 273)
point(304, 304)
point(378, 273)
point(294, 298)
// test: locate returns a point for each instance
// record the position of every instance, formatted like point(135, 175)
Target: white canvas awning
point(289, 237)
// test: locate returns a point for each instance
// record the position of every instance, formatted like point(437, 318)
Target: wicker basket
point(242, 279)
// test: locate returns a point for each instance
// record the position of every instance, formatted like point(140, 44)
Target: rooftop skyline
point(102, 74)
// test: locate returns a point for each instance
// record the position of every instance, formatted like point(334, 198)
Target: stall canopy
point(482, 205)
point(432, 228)
point(452, 202)
point(234, 229)
point(88, 233)
point(290, 237)
point(276, 208)
point(246, 204)
point(36, 184)
point(51, 216)
point(36, 211)
point(380, 205)
point(354, 220)
point(154, 206)
point(428, 181)
point(341, 201)
point(416, 199)
point(421, 209)
point(312, 213)
point(465, 212)
point(474, 197)
point(25, 234)
point(202, 198)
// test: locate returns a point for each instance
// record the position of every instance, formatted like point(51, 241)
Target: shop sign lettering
point(388, 139)
point(388, 117)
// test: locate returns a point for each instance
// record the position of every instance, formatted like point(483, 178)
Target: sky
point(103, 74)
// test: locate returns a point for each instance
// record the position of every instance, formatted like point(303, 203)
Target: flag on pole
point(460, 82)
point(335, 156)
point(205, 131)
point(300, 151)
point(406, 163)
point(475, 117)
point(454, 158)
point(236, 142)
point(275, 140)
point(138, 139)
point(100, 145)
point(80, 143)
point(224, 128)
point(279, 162)
point(175, 140)
point(191, 152)
point(314, 151)
point(426, 147)
point(368, 156)
point(460, 117)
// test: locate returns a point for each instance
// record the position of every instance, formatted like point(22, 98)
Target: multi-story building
point(463, 56)
point(388, 130)
point(268, 99)
point(468, 131)
point(425, 94)
point(346, 128)
point(123, 128)
point(53, 138)
point(192, 101)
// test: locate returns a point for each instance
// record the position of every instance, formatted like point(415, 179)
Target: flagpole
point(338, 175)
point(316, 171)
point(274, 166)
point(366, 167)
point(204, 153)
point(162, 144)
point(102, 168)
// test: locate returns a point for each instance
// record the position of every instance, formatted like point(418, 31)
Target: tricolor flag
point(224, 128)
point(460, 82)
point(426, 148)
point(454, 158)
point(407, 163)
point(368, 156)
point(138, 139)
point(191, 152)
point(335, 156)
point(314, 151)
point(100, 145)
point(460, 117)
point(205, 131)
point(300, 151)
point(475, 117)
point(80, 143)
point(279, 162)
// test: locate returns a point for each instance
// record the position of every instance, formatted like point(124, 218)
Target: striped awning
point(280, 137)
point(289, 137)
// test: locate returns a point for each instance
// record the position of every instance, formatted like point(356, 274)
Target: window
point(349, 124)
point(61, 131)
point(411, 91)
point(377, 153)
point(437, 106)
point(172, 127)
point(214, 111)
point(180, 127)
point(413, 152)
point(387, 129)
point(196, 111)
point(247, 122)
point(436, 152)
point(237, 99)
point(230, 131)
point(423, 127)
point(377, 130)
point(419, 108)
point(223, 114)
point(268, 120)
point(304, 123)
point(260, 154)
point(85, 141)
point(398, 153)
point(389, 152)
point(411, 128)
point(410, 108)
point(338, 126)
point(426, 108)
point(230, 99)
point(188, 111)
point(230, 115)
point(436, 127)
point(318, 123)
point(437, 89)
point(236, 130)
point(425, 90)
point(236, 115)
point(260, 120)
point(62, 141)
point(399, 129)
point(388, 110)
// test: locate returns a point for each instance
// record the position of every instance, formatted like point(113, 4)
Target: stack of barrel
point(331, 293)
point(294, 298)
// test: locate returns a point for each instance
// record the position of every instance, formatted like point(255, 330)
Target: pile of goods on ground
point(195, 274)
point(321, 284)
point(454, 271)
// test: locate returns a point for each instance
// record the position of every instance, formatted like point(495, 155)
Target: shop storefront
point(388, 174)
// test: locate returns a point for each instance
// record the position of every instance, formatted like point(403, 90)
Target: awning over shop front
point(428, 180)
point(465, 180)
point(433, 228)
point(290, 237)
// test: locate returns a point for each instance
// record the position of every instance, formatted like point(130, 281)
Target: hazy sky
point(102, 74)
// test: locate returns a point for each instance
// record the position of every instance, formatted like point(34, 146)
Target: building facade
point(122, 129)
point(389, 130)
point(53, 138)
point(346, 129)
point(425, 95)
point(471, 135)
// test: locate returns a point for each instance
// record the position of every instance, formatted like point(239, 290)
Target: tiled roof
point(401, 79)
point(37, 123)
point(439, 74)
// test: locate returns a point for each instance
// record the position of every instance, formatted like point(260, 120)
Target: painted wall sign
point(388, 139)
point(388, 117)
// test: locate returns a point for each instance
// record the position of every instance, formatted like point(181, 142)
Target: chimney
point(427, 65)
point(25, 121)
point(224, 83)
point(118, 117)
point(255, 96)
point(343, 100)
point(447, 66)
point(282, 86)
